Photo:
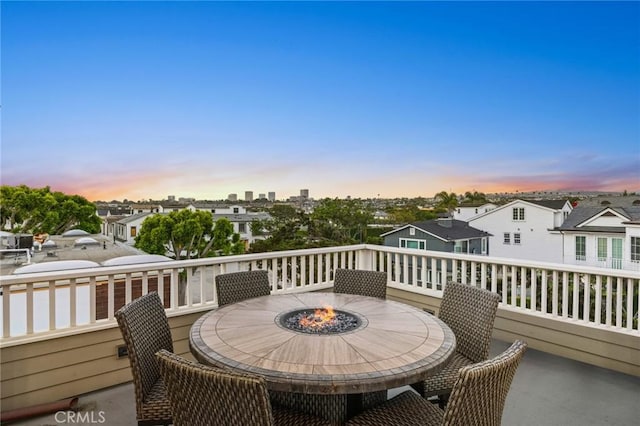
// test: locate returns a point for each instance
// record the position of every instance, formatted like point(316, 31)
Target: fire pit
point(324, 320)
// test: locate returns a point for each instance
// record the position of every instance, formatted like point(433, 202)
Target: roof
point(242, 217)
point(459, 229)
point(60, 265)
point(551, 204)
point(135, 259)
point(611, 201)
point(581, 214)
point(134, 217)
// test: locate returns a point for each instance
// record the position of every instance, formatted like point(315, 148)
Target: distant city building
point(304, 193)
point(261, 197)
point(272, 196)
point(171, 198)
point(248, 195)
point(232, 197)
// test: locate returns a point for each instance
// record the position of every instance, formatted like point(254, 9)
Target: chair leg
point(443, 400)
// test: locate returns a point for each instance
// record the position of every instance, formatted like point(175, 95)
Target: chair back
point(479, 394)
point(360, 282)
point(470, 313)
point(202, 395)
point(145, 331)
point(236, 286)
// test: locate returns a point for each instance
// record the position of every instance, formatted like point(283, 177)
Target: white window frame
point(599, 240)
point(634, 249)
point(517, 214)
point(517, 238)
point(422, 244)
point(582, 256)
point(483, 244)
point(506, 238)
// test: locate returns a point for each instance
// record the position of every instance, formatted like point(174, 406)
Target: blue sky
point(139, 100)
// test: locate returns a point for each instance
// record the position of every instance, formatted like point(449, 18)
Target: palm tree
point(475, 197)
point(447, 201)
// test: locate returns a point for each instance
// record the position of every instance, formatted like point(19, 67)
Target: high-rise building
point(304, 193)
point(232, 197)
point(272, 196)
point(261, 197)
point(171, 197)
point(248, 195)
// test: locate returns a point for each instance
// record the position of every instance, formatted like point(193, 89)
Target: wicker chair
point(145, 330)
point(363, 283)
point(470, 313)
point(201, 395)
point(237, 286)
point(477, 398)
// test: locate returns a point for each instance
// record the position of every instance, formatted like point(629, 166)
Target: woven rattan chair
point(477, 398)
point(363, 283)
point(236, 286)
point(145, 330)
point(207, 396)
point(470, 313)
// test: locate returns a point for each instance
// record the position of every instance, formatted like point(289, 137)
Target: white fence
point(36, 306)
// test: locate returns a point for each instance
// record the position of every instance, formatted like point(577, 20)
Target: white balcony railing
point(37, 306)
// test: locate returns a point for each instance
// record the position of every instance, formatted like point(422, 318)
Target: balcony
point(59, 337)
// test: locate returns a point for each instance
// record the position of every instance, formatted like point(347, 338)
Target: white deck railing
point(36, 306)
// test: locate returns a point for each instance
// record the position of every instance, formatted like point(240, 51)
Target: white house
point(604, 232)
point(525, 229)
point(126, 229)
point(214, 208)
point(467, 211)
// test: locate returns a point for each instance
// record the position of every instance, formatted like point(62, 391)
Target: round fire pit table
point(393, 345)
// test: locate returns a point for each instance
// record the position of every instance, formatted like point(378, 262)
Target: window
point(213, 210)
point(133, 231)
point(507, 238)
point(484, 245)
point(518, 213)
point(412, 231)
point(412, 244)
point(602, 249)
point(516, 238)
point(242, 227)
point(581, 247)
point(635, 249)
point(236, 210)
point(461, 246)
point(616, 253)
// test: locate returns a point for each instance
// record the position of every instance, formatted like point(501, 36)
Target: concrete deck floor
point(547, 390)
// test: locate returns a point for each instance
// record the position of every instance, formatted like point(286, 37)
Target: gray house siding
point(431, 242)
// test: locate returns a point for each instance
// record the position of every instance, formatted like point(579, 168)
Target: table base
point(334, 408)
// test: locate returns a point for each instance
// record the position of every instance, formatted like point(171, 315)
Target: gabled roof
point(581, 215)
point(459, 229)
point(551, 205)
point(470, 204)
point(134, 217)
point(611, 201)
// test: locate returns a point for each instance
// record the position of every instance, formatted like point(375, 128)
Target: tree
point(36, 210)
point(286, 230)
point(475, 197)
point(447, 201)
point(340, 222)
point(186, 234)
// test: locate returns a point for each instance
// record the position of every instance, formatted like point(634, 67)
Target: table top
point(395, 345)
